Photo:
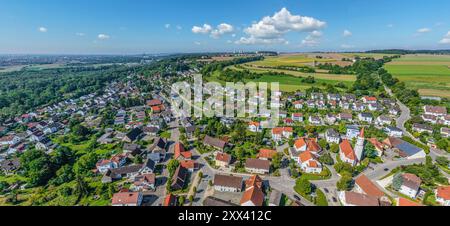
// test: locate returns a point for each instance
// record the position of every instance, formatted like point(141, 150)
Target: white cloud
point(257, 41)
point(197, 43)
point(179, 27)
point(222, 29)
point(216, 33)
point(103, 36)
point(80, 34)
point(446, 39)
point(347, 33)
point(271, 29)
point(42, 29)
point(167, 26)
point(347, 46)
point(423, 30)
point(202, 30)
point(390, 25)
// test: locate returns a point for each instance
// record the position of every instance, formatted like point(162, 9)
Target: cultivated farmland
point(430, 74)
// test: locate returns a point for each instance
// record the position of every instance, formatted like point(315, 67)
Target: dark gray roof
point(213, 201)
point(214, 142)
point(127, 169)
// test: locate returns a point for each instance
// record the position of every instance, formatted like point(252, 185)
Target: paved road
point(379, 171)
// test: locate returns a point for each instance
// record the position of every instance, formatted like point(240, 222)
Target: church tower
point(359, 148)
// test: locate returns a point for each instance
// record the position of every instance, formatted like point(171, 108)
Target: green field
point(427, 73)
point(291, 83)
point(290, 60)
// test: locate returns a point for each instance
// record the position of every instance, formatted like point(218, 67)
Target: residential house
point(222, 159)
point(297, 117)
point(225, 183)
point(332, 136)
point(309, 163)
point(433, 119)
point(190, 165)
point(443, 195)
point(133, 149)
point(422, 128)
point(410, 185)
point(307, 144)
point(435, 110)
point(9, 166)
point(134, 135)
point(159, 146)
point(383, 120)
point(275, 198)
point(144, 182)
point(181, 153)
point(253, 195)
point(315, 120)
point(393, 131)
point(379, 147)
point(214, 142)
point(213, 201)
point(445, 132)
point(298, 104)
point(330, 119)
point(257, 166)
point(179, 178)
point(349, 198)
point(404, 149)
point(353, 131)
point(170, 200)
point(282, 132)
point(266, 154)
point(9, 140)
point(254, 127)
point(365, 117)
point(365, 186)
point(369, 100)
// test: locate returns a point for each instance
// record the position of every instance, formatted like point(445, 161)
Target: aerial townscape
point(355, 127)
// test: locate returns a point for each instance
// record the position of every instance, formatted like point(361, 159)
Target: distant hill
point(404, 51)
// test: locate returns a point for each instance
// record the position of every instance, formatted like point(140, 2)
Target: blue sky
point(169, 26)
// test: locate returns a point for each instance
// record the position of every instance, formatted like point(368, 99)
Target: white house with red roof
point(307, 144)
point(282, 132)
point(254, 127)
point(127, 199)
point(443, 195)
point(369, 100)
point(347, 154)
point(309, 163)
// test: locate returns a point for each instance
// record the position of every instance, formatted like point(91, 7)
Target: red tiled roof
point(255, 195)
point(125, 198)
point(368, 186)
point(170, 200)
point(407, 202)
point(188, 164)
point(266, 153)
point(223, 157)
point(254, 180)
point(444, 192)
